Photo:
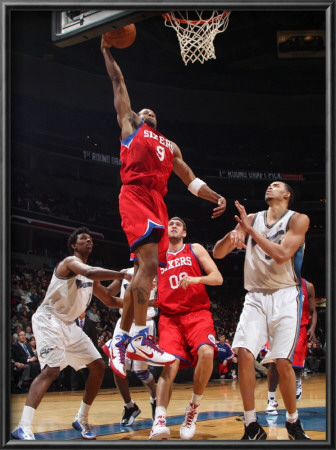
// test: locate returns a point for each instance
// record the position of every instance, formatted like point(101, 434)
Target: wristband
point(195, 186)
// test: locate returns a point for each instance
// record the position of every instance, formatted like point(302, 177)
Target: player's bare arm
point(312, 312)
point(102, 293)
point(184, 172)
point(213, 276)
point(115, 286)
point(294, 237)
point(73, 265)
point(128, 120)
point(234, 239)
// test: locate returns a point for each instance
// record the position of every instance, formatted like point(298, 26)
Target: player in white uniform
point(272, 308)
point(59, 341)
point(140, 368)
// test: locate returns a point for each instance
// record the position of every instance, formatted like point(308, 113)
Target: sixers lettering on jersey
point(182, 261)
point(147, 159)
point(174, 300)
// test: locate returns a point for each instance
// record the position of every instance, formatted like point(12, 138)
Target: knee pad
point(144, 375)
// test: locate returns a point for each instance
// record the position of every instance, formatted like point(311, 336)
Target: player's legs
point(94, 380)
point(142, 346)
point(202, 374)
point(246, 376)
point(141, 284)
point(40, 385)
point(35, 394)
point(287, 384)
point(272, 382)
point(164, 390)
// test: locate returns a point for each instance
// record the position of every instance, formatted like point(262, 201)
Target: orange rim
point(195, 22)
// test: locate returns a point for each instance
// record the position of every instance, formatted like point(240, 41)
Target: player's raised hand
point(220, 209)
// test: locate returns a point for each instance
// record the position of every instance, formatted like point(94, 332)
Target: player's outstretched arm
point(128, 120)
point(213, 276)
point(195, 185)
point(73, 265)
point(102, 293)
point(232, 240)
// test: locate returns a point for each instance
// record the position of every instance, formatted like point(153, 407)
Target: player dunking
point(148, 159)
point(271, 312)
point(186, 326)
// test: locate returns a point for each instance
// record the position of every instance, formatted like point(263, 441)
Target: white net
point(196, 31)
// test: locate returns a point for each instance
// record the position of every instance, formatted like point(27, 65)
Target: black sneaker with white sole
point(129, 415)
point(254, 432)
point(295, 431)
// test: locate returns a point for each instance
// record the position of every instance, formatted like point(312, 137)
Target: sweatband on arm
point(195, 186)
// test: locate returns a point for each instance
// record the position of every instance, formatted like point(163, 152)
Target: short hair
point(291, 191)
point(72, 239)
point(180, 220)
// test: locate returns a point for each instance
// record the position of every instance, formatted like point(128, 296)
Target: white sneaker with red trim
point(188, 426)
point(159, 430)
point(143, 348)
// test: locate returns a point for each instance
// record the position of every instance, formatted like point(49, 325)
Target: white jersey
point(124, 283)
point(260, 270)
point(67, 297)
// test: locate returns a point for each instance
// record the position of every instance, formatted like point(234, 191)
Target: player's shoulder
point(298, 218)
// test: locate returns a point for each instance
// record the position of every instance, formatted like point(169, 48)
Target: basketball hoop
point(196, 35)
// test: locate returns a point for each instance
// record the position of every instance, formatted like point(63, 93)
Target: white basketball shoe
point(143, 348)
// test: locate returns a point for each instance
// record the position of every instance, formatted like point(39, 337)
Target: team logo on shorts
point(45, 351)
point(211, 338)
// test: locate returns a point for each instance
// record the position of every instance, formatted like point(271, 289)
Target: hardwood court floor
point(220, 417)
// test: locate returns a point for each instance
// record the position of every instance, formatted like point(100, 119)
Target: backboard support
point(75, 26)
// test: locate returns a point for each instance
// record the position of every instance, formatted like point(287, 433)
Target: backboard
point(74, 26)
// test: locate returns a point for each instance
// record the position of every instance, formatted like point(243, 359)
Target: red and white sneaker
point(143, 348)
point(115, 349)
point(188, 426)
point(159, 430)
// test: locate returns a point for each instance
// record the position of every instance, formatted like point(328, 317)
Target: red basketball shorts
point(142, 210)
point(182, 335)
point(301, 348)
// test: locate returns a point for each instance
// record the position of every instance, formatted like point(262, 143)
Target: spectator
point(22, 353)
point(92, 313)
point(224, 355)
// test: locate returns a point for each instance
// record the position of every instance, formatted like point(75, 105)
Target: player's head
point(79, 238)
point(279, 190)
point(148, 116)
point(177, 228)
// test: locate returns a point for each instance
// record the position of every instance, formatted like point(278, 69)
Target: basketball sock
point(152, 400)
point(123, 332)
point(271, 395)
point(160, 411)
point(138, 328)
point(250, 416)
point(83, 410)
point(129, 404)
point(292, 417)
point(27, 416)
point(196, 399)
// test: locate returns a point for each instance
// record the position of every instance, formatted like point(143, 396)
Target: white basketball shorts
point(60, 345)
point(272, 316)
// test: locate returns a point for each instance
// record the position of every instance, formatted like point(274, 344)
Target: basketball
point(121, 37)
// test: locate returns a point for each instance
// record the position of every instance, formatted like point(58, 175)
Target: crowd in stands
point(28, 288)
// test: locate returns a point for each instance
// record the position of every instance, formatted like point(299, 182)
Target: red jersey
point(172, 299)
point(147, 159)
point(305, 316)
